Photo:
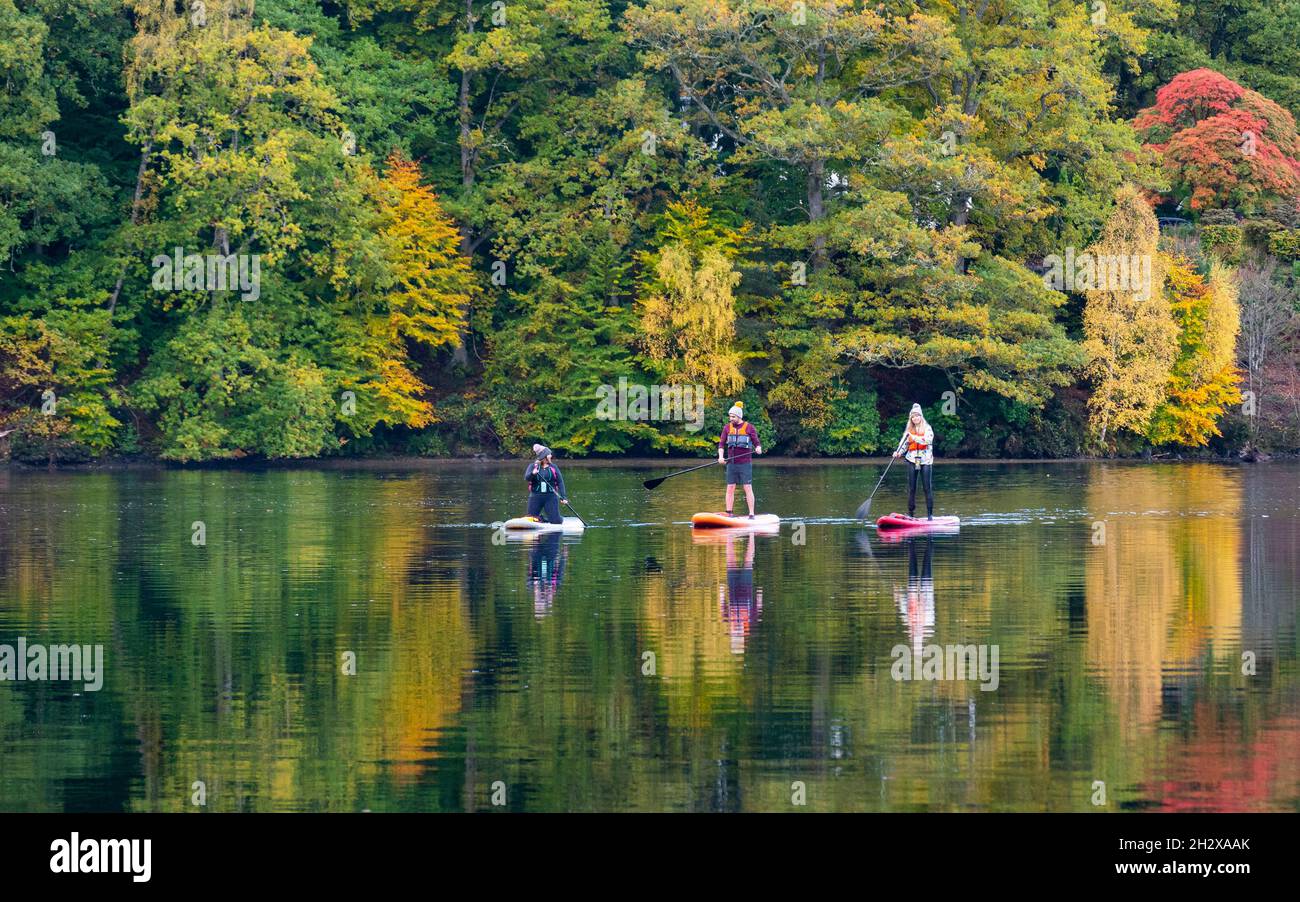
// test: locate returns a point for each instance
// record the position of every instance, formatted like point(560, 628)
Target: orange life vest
point(915, 442)
point(738, 436)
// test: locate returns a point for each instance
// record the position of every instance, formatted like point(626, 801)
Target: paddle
point(865, 507)
point(654, 483)
point(576, 514)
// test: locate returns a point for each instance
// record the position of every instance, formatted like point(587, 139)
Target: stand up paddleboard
point(571, 524)
point(902, 521)
point(722, 521)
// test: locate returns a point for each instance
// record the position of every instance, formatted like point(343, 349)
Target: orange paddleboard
point(722, 521)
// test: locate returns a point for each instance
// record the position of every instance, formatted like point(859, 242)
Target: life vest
point(738, 436)
point(543, 479)
point(915, 442)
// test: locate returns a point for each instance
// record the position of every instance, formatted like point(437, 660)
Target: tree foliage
point(687, 304)
point(1223, 145)
point(469, 220)
point(1130, 333)
point(1203, 379)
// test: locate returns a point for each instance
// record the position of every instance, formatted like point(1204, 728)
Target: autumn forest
point(298, 229)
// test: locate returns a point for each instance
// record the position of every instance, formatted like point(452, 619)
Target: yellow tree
point(1204, 378)
point(433, 281)
point(423, 297)
point(688, 309)
point(1131, 338)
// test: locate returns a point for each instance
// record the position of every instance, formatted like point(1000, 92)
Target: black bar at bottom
point(334, 851)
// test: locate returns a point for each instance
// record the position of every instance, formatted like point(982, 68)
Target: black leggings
point(927, 479)
point(548, 500)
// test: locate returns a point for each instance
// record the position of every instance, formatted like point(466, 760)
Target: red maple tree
point(1223, 145)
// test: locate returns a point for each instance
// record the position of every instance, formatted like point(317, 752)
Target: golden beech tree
point(1204, 378)
point(433, 283)
point(1131, 338)
point(428, 291)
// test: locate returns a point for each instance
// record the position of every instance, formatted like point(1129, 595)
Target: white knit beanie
point(737, 410)
point(916, 408)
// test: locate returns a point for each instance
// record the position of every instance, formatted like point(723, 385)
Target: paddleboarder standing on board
point(736, 448)
point(917, 446)
point(545, 486)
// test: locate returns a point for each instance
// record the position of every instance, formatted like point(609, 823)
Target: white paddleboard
point(571, 524)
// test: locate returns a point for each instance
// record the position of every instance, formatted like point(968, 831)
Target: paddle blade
point(864, 510)
point(654, 483)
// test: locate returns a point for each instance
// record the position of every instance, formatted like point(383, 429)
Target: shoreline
point(488, 463)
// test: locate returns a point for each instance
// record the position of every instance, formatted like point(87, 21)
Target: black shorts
point(740, 474)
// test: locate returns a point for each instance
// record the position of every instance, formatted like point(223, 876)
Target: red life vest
point(915, 442)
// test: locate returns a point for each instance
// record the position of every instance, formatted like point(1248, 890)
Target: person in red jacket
point(736, 448)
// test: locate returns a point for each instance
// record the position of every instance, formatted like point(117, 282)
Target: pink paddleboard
point(902, 521)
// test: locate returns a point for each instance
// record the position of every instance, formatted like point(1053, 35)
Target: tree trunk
point(960, 216)
point(221, 245)
point(135, 219)
point(817, 210)
point(468, 156)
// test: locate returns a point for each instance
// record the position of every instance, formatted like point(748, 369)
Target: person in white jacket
point(917, 446)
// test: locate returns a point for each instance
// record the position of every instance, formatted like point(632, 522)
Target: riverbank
point(433, 463)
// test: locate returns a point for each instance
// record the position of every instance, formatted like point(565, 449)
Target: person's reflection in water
point(740, 603)
point(916, 601)
point(545, 571)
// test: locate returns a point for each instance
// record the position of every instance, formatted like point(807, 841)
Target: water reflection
point(740, 603)
point(1163, 582)
point(1157, 653)
point(915, 600)
point(547, 558)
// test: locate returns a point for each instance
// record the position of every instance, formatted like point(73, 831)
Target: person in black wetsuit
point(545, 487)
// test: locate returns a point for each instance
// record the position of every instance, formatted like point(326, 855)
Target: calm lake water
point(641, 666)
